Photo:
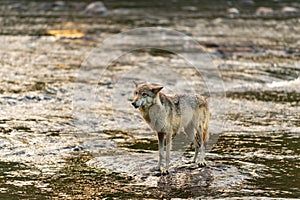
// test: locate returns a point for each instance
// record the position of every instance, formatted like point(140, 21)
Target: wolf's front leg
point(161, 144)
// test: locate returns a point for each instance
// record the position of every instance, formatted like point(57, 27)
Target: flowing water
point(68, 130)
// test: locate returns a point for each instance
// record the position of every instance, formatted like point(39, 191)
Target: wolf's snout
point(134, 105)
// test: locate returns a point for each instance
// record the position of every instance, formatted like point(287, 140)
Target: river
point(68, 130)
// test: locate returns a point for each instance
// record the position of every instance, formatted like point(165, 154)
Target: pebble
point(18, 7)
point(217, 21)
point(264, 11)
point(233, 11)
point(95, 8)
point(19, 153)
point(247, 2)
point(78, 148)
point(51, 91)
point(288, 9)
point(58, 5)
point(189, 8)
point(39, 85)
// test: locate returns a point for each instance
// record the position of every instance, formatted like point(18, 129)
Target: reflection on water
point(271, 159)
point(19, 181)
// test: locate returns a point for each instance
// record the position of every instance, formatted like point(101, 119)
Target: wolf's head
point(145, 94)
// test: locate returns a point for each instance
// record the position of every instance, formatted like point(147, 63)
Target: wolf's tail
point(204, 123)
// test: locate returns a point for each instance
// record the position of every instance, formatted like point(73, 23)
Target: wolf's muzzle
point(134, 105)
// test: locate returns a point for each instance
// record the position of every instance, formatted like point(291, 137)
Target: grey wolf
point(168, 115)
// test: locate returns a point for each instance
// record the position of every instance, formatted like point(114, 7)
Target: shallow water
point(64, 135)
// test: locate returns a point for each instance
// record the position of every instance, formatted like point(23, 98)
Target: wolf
point(168, 115)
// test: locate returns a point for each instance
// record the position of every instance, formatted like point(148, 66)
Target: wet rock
point(190, 8)
point(22, 152)
point(16, 89)
point(4, 128)
point(233, 11)
point(78, 148)
point(39, 85)
point(264, 11)
point(18, 7)
point(217, 21)
point(181, 175)
point(6, 100)
point(246, 2)
point(33, 98)
point(59, 5)
point(46, 6)
point(22, 128)
point(56, 5)
point(51, 91)
point(289, 10)
point(52, 133)
point(95, 8)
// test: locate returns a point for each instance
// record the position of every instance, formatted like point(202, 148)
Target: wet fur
point(168, 115)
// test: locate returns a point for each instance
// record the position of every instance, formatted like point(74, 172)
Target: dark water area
point(68, 130)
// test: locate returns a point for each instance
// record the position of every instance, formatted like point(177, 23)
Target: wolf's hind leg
point(200, 142)
point(189, 130)
point(202, 161)
point(168, 152)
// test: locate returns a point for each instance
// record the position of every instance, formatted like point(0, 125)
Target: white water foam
point(292, 83)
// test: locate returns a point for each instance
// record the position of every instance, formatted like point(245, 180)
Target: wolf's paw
point(155, 169)
point(202, 163)
point(164, 171)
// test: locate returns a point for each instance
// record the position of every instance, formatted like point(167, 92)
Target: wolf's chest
point(156, 117)
point(161, 119)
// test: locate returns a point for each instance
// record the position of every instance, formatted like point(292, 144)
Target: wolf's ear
point(156, 89)
point(135, 83)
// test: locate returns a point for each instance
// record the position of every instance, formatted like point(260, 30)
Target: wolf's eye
point(135, 92)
